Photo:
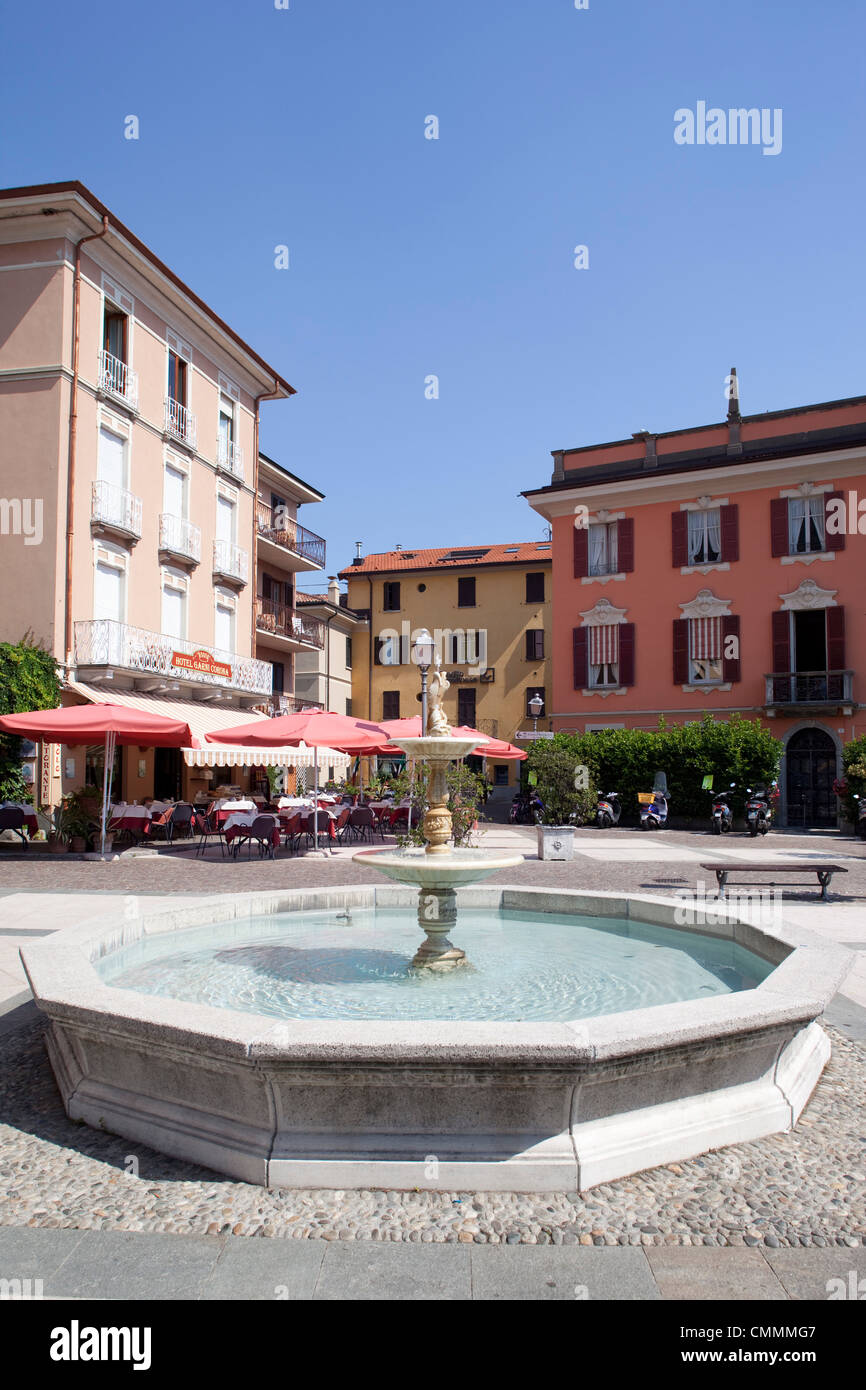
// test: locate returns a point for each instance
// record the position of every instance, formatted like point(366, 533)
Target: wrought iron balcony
point(284, 531)
point(179, 537)
point(230, 457)
point(180, 423)
point(809, 688)
point(114, 509)
point(230, 562)
point(280, 621)
point(104, 645)
point(118, 380)
point(289, 704)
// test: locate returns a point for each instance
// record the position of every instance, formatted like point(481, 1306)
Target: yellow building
point(488, 608)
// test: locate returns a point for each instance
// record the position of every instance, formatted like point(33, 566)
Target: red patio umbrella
point(318, 728)
point(411, 728)
point(116, 724)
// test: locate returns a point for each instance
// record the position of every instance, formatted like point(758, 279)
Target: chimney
point(358, 558)
point(734, 417)
point(398, 547)
point(650, 458)
point(558, 466)
point(334, 590)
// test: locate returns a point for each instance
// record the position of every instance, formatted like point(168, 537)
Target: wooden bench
point(824, 871)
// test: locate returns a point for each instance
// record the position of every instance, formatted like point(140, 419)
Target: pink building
point(143, 538)
point(718, 568)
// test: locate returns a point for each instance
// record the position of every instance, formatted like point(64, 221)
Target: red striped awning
point(706, 639)
point(604, 645)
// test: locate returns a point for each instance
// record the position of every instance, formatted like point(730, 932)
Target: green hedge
point(28, 680)
point(854, 777)
point(626, 761)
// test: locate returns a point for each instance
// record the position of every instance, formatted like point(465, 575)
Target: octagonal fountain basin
point(284, 1038)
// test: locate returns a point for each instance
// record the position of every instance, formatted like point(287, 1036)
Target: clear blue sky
point(454, 257)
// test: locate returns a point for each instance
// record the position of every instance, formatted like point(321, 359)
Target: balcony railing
point(230, 561)
point(284, 531)
point(290, 704)
point(118, 380)
point(104, 642)
point(276, 618)
point(116, 509)
point(230, 457)
point(179, 537)
point(490, 727)
point(809, 688)
point(180, 423)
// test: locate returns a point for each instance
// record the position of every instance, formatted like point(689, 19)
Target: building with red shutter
point(718, 568)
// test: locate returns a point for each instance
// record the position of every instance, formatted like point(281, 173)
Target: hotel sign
point(203, 663)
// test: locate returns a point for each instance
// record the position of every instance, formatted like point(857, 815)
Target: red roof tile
point(452, 557)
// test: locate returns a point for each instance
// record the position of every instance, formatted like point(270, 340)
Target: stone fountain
point(439, 868)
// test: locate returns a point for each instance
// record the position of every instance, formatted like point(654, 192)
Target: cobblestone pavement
point(807, 1188)
point(605, 860)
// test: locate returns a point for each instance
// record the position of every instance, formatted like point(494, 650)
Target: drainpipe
point(265, 396)
point(328, 661)
point(370, 658)
point(73, 438)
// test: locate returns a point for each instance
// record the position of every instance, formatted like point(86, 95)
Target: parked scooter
point(722, 817)
point(759, 814)
point(654, 814)
point(527, 808)
point(860, 827)
point(608, 811)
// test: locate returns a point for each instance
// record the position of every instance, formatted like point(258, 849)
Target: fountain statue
point(439, 868)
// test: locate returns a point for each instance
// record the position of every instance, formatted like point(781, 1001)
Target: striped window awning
point(604, 645)
point(213, 756)
point(706, 639)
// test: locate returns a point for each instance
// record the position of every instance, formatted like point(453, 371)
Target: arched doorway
point(810, 762)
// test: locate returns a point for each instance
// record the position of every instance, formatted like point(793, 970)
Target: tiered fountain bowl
point(439, 868)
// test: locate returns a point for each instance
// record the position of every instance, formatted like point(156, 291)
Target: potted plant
point(75, 820)
point(565, 799)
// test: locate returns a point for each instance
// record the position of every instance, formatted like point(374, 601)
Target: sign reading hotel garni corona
point(202, 662)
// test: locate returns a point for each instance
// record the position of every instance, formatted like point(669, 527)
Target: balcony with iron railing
point(230, 562)
point(114, 509)
point(792, 690)
point(179, 538)
point(230, 457)
point(103, 646)
point(282, 531)
point(287, 625)
point(180, 423)
point(118, 380)
point(288, 704)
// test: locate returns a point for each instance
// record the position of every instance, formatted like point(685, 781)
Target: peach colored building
point(719, 568)
point(136, 535)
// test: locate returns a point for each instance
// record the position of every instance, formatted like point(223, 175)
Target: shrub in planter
point(566, 800)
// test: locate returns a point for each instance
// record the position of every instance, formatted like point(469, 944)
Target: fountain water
point(439, 868)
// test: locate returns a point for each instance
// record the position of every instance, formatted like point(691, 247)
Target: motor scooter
point(860, 827)
point(608, 811)
point(722, 817)
point(527, 808)
point(759, 814)
point(654, 814)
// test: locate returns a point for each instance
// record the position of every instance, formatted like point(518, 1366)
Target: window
point(349, 652)
point(500, 775)
point(391, 597)
point(115, 333)
point(174, 492)
point(225, 520)
point(466, 706)
point(226, 432)
point(604, 657)
point(531, 691)
point(535, 644)
point(466, 593)
point(224, 622)
point(348, 707)
point(176, 378)
point(109, 587)
point(805, 525)
point(535, 588)
point(111, 461)
point(603, 548)
point(174, 604)
point(705, 536)
point(705, 650)
point(279, 683)
point(390, 704)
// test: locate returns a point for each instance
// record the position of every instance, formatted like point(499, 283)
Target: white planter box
point(555, 841)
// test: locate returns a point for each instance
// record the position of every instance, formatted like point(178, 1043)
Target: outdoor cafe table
point(226, 808)
point(29, 814)
point(125, 817)
point(240, 821)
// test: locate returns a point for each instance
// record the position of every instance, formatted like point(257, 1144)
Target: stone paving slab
point(714, 1274)
point(132, 1266)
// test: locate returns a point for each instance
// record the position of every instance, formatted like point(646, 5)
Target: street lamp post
point(422, 654)
point(536, 705)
